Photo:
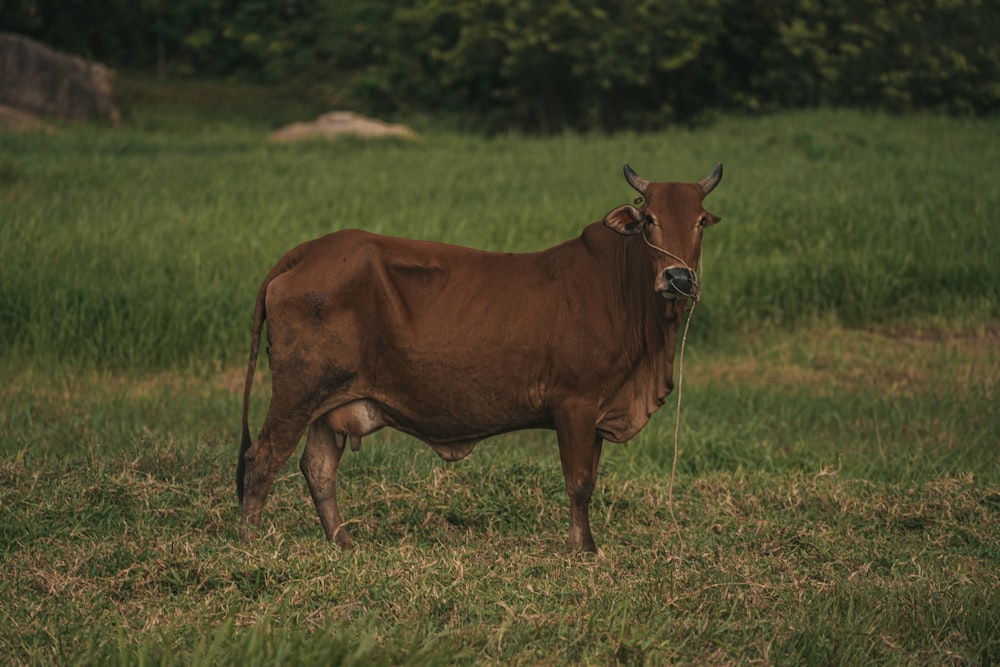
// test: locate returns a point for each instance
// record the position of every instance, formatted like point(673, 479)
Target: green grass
point(145, 247)
point(835, 506)
point(838, 488)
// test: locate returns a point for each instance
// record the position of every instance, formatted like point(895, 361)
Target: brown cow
point(453, 345)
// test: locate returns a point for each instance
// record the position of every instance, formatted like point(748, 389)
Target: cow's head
point(670, 219)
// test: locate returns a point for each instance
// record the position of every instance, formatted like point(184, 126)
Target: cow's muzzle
point(678, 283)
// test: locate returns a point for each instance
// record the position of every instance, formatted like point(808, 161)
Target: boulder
point(40, 80)
point(339, 123)
point(15, 120)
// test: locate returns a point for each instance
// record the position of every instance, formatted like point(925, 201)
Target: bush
point(257, 40)
point(599, 64)
point(901, 56)
point(549, 65)
point(545, 66)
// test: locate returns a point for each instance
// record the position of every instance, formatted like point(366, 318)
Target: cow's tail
point(259, 316)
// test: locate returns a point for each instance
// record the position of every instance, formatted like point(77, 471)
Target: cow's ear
point(624, 219)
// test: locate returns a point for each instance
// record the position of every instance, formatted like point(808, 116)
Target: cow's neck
point(653, 333)
point(647, 337)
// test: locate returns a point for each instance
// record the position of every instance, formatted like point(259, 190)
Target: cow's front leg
point(580, 451)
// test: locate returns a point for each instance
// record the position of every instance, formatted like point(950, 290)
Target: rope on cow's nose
point(677, 436)
point(665, 252)
point(680, 391)
point(696, 283)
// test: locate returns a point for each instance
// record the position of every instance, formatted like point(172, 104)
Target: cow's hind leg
point(261, 463)
point(319, 465)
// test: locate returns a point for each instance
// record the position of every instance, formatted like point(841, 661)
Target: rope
point(697, 283)
point(673, 464)
point(695, 297)
point(665, 252)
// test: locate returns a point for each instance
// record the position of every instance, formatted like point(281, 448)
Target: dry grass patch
point(830, 359)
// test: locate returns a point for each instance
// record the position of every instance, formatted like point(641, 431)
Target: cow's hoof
point(582, 546)
point(247, 534)
point(342, 539)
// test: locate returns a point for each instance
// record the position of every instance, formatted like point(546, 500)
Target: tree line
point(545, 65)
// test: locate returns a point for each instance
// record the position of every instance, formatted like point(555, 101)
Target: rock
point(21, 121)
point(337, 123)
point(40, 80)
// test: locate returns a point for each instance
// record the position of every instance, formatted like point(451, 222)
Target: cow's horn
point(708, 184)
point(635, 180)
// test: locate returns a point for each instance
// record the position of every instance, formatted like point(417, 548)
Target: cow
point(452, 345)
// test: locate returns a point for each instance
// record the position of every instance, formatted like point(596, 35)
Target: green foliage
point(899, 56)
point(596, 64)
point(257, 40)
point(545, 66)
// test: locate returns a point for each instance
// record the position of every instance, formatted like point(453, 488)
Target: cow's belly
point(446, 394)
point(451, 422)
point(451, 418)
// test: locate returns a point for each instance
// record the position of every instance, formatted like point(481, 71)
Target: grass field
point(838, 488)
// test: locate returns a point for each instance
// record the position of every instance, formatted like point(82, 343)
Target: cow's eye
point(648, 220)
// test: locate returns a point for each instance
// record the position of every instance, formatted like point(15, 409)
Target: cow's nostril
point(679, 281)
